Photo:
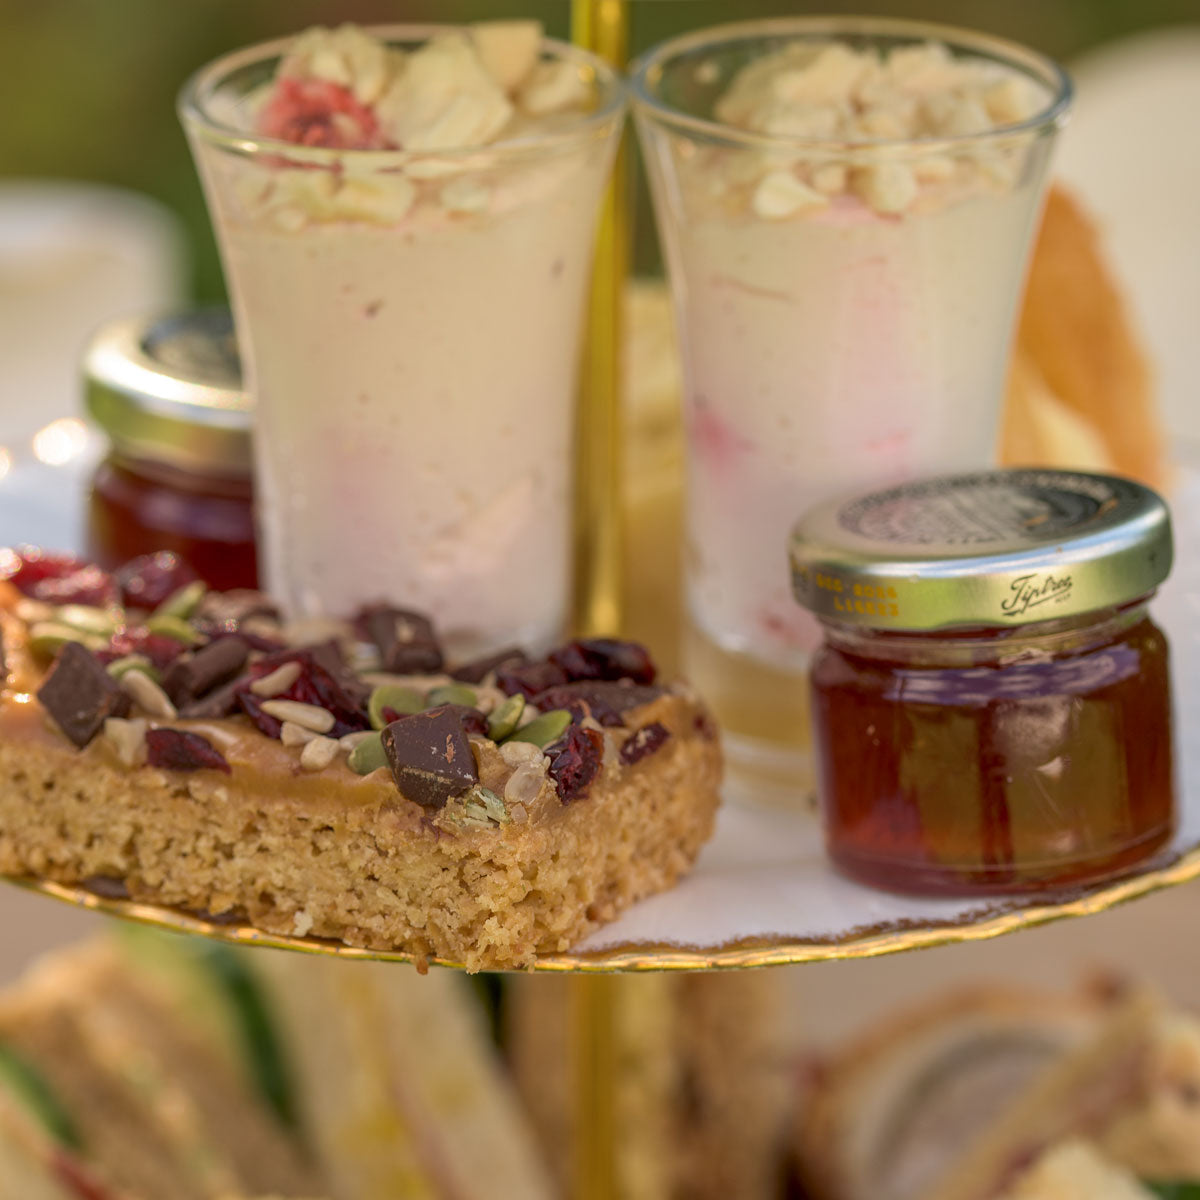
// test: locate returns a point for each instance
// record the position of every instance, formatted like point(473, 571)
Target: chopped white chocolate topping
point(829, 92)
point(346, 56)
point(444, 99)
point(781, 194)
point(344, 89)
point(508, 50)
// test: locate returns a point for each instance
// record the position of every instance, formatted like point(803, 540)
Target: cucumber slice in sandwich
point(31, 1087)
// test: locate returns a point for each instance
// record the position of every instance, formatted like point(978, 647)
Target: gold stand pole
point(601, 26)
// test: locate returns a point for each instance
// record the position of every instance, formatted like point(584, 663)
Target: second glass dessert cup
point(410, 323)
point(845, 257)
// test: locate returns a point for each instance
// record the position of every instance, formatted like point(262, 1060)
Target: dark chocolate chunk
point(530, 678)
point(180, 750)
point(644, 741)
point(575, 760)
point(478, 668)
point(80, 694)
point(604, 700)
point(220, 702)
point(605, 658)
point(472, 719)
point(430, 756)
point(218, 662)
point(406, 641)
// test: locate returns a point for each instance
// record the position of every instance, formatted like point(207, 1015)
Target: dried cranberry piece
point(604, 700)
point(57, 578)
point(147, 581)
point(252, 706)
point(578, 704)
point(575, 760)
point(315, 685)
point(478, 669)
point(530, 678)
point(473, 721)
point(179, 750)
point(605, 658)
point(644, 741)
point(162, 651)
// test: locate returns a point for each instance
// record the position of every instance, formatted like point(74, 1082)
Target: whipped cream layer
point(408, 284)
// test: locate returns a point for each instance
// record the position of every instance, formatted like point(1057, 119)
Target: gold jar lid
point(169, 390)
point(993, 548)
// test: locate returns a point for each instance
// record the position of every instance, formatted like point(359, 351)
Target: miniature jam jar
point(991, 703)
point(178, 477)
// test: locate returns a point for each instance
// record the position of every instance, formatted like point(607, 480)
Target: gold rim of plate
point(1004, 915)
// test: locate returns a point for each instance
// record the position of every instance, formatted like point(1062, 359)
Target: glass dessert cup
point(1003, 760)
point(410, 325)
point(857, 335)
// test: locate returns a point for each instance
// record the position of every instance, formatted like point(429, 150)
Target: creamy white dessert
point(408, 276)
point(846, 264)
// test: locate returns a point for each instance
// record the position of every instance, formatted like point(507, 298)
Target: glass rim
point(200, 87)
point(646, 70)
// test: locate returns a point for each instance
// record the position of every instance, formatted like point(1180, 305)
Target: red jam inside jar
point(996, 760)
point(138, 507)
point(991, 703)
point(179, 476)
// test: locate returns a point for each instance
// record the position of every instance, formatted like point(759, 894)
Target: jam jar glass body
point(138, 506)
point(167, 390)
point(995, 759)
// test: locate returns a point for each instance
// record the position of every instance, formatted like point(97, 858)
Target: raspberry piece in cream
point(315, 112)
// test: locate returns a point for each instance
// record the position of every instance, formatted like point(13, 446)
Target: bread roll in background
point(1081, 391)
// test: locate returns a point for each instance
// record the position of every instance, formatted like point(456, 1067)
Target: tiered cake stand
point(762, 893)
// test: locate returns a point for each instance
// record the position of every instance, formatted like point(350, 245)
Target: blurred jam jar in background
point(167, 391)
point(991, 703)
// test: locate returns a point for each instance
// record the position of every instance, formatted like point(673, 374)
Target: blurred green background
point(90, 85)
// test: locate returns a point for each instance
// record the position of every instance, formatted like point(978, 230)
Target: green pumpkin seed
point(543, 730)
point(367, 756)
point(404, 700)
point(47, 638)
point(451, 693)
point(176, 628)
point(505, 717)
point(184, 602)
point(85, 618)
point(133, 662)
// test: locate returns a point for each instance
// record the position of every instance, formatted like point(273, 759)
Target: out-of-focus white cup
point(72, 255)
